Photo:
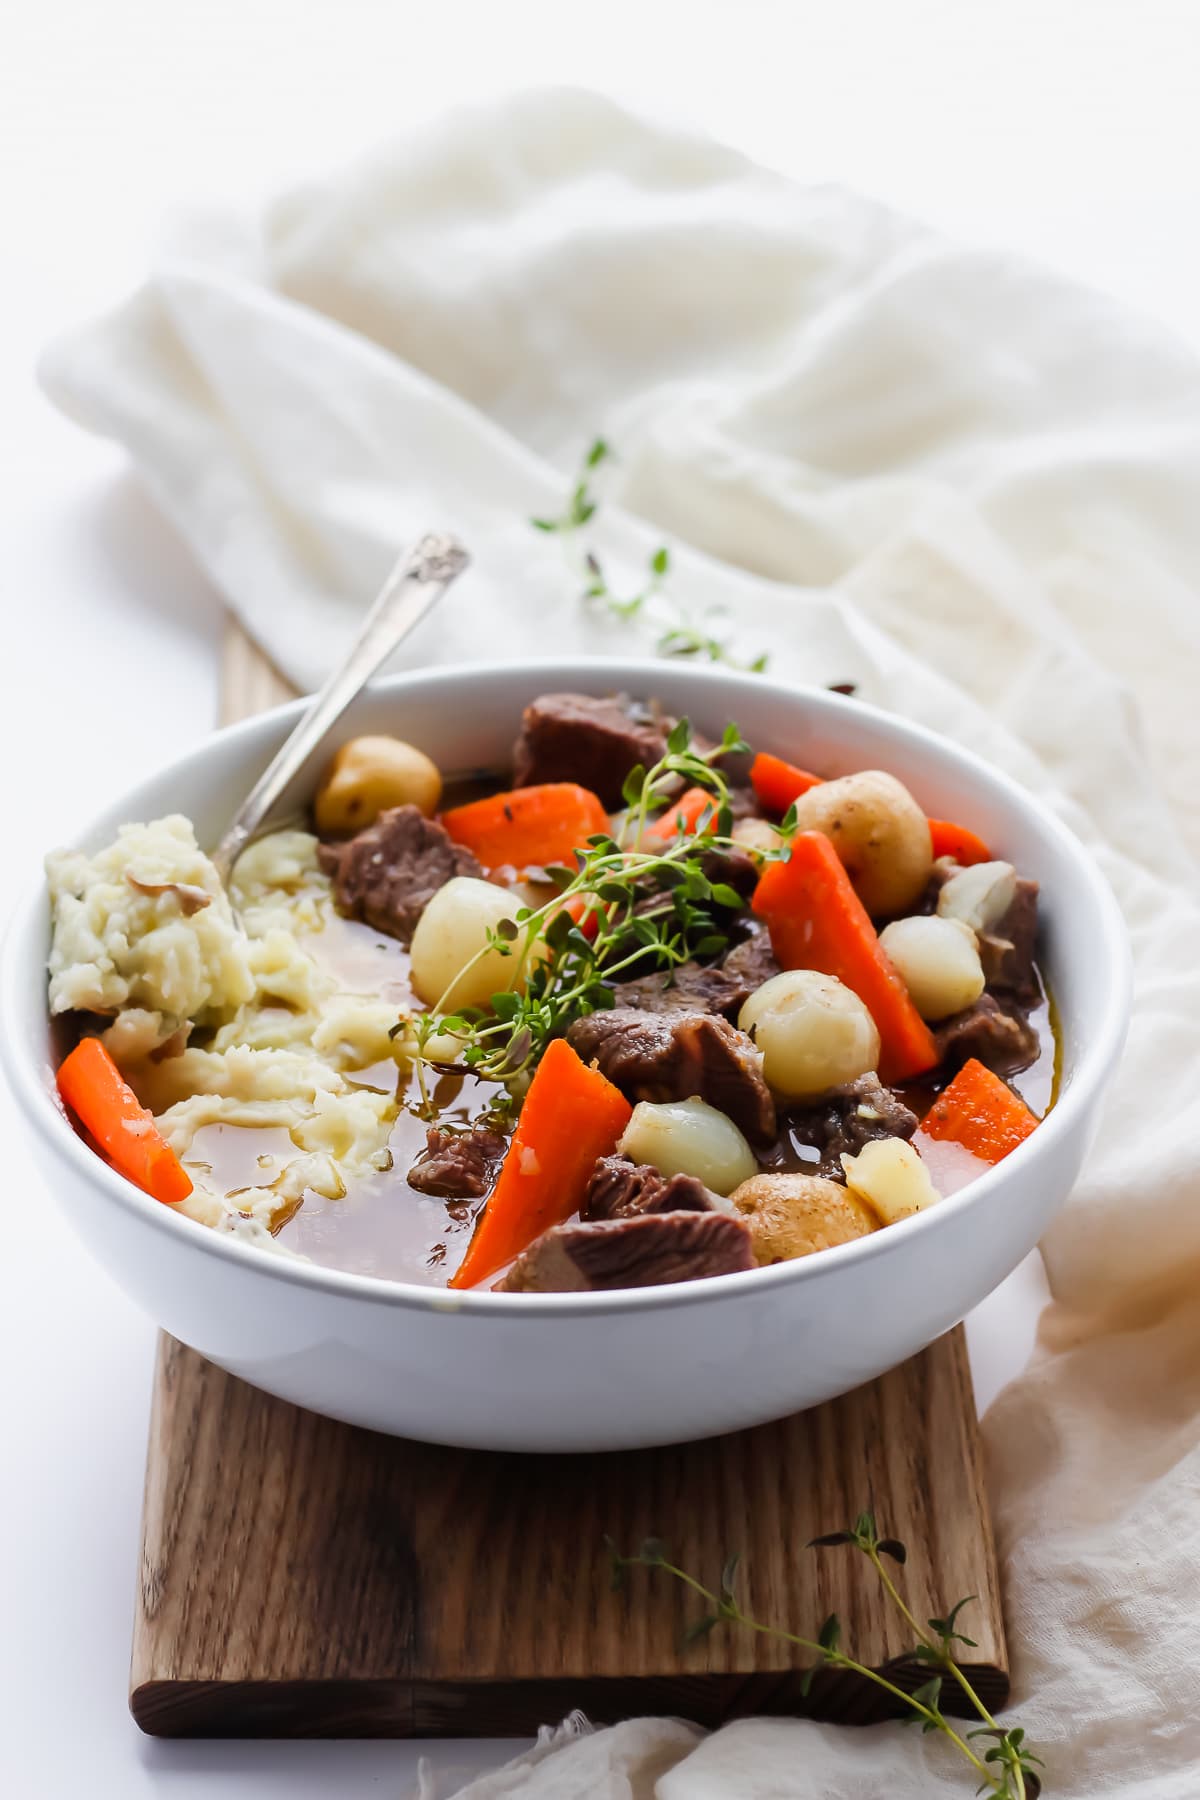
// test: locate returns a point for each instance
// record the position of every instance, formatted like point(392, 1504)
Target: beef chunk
point(694, 987)
point(735, 867)
point(640, 1252)
point(655, 902)
point(744, 803)
point(752, 961)
point(573, 737)
point(846, 1119)
point(458, 1165)
point(673, 1055)
point(390, 872)
point(1007, 950)
point(689, 988)
point(1000, 1036)
point(620, 1189)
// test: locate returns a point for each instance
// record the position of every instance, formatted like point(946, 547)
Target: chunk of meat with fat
point(845, 1119)
point(743, 801)
point(620, 1189)
point(675, 1055)
point(645, 1251)
point(736, 868)
point(389, 873)
point(720, 988)
point(690, 988)
point(655, 902)
point(1007, 950)
point(1001, 1037)
point(458, 1165)
point(596, 742)
point(753, 961)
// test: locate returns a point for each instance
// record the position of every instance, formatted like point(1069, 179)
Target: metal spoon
point(415, 585)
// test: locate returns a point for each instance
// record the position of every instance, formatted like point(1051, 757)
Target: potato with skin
point(938, 962)
point(453, 930)
point(792, 1215)
point(880, 834)
point(889, 1176)
point(368, 776)
point(689, 1137)
point(814, 1033)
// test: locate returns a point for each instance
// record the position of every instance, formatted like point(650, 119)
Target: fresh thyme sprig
point(1006, 1768)
point(631, 901)
point(687, 639)
point(581, 503)
point(597, 590)
point(680, 635)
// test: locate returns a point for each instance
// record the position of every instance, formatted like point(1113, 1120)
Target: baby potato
point(814, 1033)
point(938, 962)
point(891, 1178)
point(368, 776)
point(795, 1215)
point(689, 1137)
point(878, 831)
point(758, 836)
point(454, 928)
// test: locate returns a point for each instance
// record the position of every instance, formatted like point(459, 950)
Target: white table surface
point(1068, 131)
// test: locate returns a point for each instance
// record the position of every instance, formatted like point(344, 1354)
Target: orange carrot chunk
point(571, 1116)
point(953, 840)
point(585, 910)
point(533, 825)
point(817, 921)
point(94, 1089)
point(684, 815)
point(778, 783)
point(980, 1112)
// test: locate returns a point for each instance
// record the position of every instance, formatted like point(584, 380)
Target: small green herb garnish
point(1005, 1768)
point(679, 634)
point(630, 904)
point(582, 503)
point(688, 640)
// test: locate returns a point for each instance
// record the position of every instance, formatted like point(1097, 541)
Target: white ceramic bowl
point(613, 1370)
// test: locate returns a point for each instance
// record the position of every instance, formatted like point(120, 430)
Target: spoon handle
point(417, 583)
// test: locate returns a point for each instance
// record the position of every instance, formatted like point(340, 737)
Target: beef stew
point(620, 1020)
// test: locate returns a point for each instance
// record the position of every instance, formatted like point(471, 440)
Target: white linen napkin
point(957, 480)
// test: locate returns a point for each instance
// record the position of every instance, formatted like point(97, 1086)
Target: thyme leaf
point(1006, 1769)
point(679, 633)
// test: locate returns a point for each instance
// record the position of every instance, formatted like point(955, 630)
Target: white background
point(1065, 128)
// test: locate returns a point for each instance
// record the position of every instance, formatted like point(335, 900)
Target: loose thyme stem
point(729, 1609)
point(948, 1662)
point(683, 636)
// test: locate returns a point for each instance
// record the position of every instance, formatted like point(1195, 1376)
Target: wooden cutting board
point(303, 1578)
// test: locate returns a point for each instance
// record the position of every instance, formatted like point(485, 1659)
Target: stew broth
point(384, 1227)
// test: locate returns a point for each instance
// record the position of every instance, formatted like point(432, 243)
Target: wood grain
point(303, 1577)
point(300, 1577)
point(250, 682)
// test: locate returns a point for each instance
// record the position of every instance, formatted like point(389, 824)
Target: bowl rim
point(41, 1107)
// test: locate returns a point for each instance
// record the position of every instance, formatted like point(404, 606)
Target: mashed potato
point(213, 1025)
point(144, 928)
